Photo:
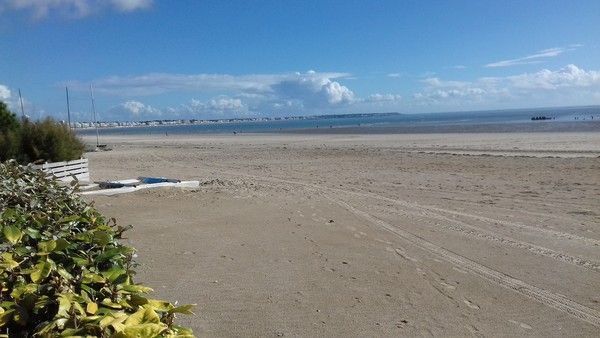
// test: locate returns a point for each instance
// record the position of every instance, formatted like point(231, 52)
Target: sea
point(372, 122)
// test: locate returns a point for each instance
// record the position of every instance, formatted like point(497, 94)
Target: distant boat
point(98, 145)
point(541, 118)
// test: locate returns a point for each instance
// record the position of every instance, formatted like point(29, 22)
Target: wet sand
point(368, 235)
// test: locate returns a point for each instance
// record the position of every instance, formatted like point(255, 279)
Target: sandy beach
point(483, 234)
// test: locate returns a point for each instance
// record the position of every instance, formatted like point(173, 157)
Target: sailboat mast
point(21, 100)
point(94, 112)
point(68, 108)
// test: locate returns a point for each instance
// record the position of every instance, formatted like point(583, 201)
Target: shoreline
point(516, 127)
point(409, 128)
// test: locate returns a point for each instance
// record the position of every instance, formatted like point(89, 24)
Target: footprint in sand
point(522, 325)
point(356, 235)
point(471, 304)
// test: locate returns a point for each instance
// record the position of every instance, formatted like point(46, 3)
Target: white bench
point(66, 171)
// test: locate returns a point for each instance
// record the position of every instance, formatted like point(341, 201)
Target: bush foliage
point(63, 271)
point(27, 141)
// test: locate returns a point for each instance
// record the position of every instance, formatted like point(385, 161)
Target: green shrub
point(50, 141)
point(63, 271)
point(27, 141)
point(8, 120)
point(9, 133)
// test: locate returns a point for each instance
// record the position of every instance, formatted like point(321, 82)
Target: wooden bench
point(67, 171)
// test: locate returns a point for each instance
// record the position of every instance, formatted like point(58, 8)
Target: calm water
point(429, 119)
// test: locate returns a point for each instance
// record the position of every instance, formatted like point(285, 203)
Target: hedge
point(28, 141)
point(63, 270)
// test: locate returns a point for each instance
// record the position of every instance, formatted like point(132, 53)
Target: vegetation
point(9, 133)
point(63, 271)
point(28, 141)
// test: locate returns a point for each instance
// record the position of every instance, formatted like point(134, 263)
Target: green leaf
point(64, 305)
point(108, 303)
point(160, 305)
point(114, 273)
point(184, 309)
point(12, 233)
point(46, 246)
point(40, 271)
point(61, 244)
point(22, 290)
point(137, 288)
point(64, 273)
point(6, 317)
point(142, 316)
point(102, 238)
point(91, 277)
point(144, 330)
point(81, 261)
point(7, 261)
point(33, 233)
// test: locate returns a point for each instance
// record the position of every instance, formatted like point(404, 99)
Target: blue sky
point(204, 59)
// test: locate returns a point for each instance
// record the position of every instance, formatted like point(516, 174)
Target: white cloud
point(459, 67)
point(218, 107)
point(131, 5)
point(224, 103)
point(533, 58)
point(5, 93)
point(312, 90)
point(138, 109)
point(568, 85)
point(383, 98)
point(305, 90)
point(72, 8)
point(394, 75)
point(570, 76)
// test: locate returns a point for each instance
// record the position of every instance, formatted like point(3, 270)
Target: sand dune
point(369, 235)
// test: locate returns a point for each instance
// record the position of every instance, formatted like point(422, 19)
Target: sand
point(368, 235)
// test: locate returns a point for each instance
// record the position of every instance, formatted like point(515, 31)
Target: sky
point(160, 59)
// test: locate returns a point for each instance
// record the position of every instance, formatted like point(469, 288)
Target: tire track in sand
point(477, 232)
point(581, 239)
point(543, 296)
point(548, 298)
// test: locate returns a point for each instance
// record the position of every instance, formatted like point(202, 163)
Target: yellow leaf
point(91, 308)
point(12, 233)
point(7, 261)
point(40, 271)
point(145, 330)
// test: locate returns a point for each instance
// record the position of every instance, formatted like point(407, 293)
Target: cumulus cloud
point(313, 90)
point(383, 98)
point(570, 76)
point(564, 86)
point(221, 106)
point(72, 8)
point(224, 103)
point(137, 108)
point(533, 58)
point(5, 93)
point(306, 90)
point(129, 110)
